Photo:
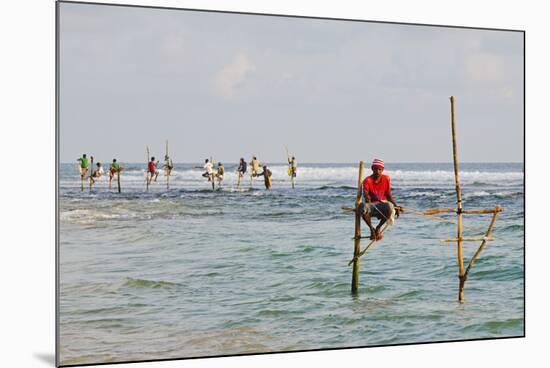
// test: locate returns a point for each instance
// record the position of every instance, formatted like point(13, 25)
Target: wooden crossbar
point(467, 238)
point(433, 211)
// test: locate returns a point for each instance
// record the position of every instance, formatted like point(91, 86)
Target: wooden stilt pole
point(91, 172)
point(461, 277)
point(147, 171)
point(212, 176)
point(168, 170)
point(118, 179)
point(357, 238)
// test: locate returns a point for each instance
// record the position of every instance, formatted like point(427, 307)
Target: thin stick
point(458, 207)
point(357, 238)
point(498, 209)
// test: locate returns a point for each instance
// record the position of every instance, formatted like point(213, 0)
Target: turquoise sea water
point(189, 272)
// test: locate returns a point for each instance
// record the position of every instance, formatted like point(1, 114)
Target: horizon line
point(328, 162)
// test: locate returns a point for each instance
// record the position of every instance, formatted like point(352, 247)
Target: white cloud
point(232, 76)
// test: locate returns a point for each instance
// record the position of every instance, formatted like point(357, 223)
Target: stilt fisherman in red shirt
point(378, 200)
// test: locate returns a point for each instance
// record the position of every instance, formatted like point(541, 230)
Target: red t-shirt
point(151, 167)
point(377, 191)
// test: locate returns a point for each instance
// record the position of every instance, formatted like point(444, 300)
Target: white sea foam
point(315, 175)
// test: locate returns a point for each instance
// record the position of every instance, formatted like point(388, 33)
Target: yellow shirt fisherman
point(255, 166)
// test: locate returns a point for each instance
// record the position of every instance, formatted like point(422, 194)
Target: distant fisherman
point(168, 165)
point(84, 165)
point(113, 169)
point(292, 166)
point(220, 173)
point(97, 173)
point(267, 177)
point(378, 200)
point(152, 169)
point(241, 170)
point(255, 163)
point(208, 169)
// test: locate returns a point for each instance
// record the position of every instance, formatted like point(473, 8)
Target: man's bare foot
point(372, 235)
point(378, 234)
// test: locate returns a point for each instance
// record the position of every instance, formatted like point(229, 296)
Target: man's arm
point(390, 198)
point(398, 209)
point(366, 196)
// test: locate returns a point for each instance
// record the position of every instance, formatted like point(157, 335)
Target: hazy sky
point(233, 85)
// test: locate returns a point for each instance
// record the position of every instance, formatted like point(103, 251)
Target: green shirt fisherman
point(84, 165)
point(113, 169)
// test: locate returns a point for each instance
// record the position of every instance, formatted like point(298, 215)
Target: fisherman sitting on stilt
point(208, 170)
point(97, 173)
point(113, 169)
point(152, 169)
point(378, 200)
point(220, 173)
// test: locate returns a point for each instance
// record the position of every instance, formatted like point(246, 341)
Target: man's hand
point(398, 210)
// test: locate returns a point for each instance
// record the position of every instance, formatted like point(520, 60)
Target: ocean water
point(191, 272)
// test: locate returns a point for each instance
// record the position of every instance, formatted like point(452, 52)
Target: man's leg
point(367, 219)
point(378, 231)
point(384, 213)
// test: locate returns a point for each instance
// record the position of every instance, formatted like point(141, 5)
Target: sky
point(234, 85)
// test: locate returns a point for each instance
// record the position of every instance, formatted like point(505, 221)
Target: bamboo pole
point(91, 173)
point(357, 238)
point(498, 209)
point(147, 171)
point(458, 207)
point(212, 176)
point(168, 169)
point(118, 179)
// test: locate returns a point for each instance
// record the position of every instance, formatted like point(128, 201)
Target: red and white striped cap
point(377, 162)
